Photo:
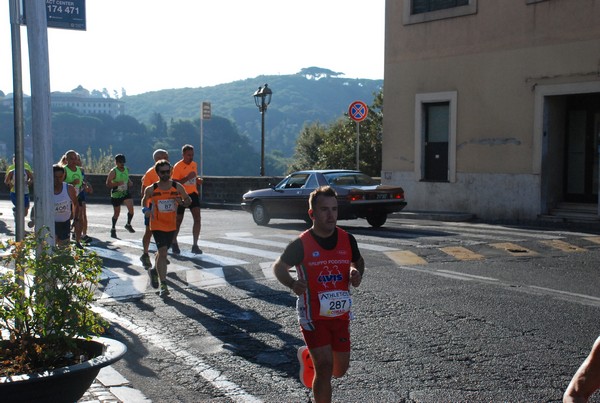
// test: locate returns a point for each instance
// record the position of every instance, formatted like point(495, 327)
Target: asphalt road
point(461, 312)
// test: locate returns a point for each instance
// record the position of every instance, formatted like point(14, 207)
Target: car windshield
point(349, 179)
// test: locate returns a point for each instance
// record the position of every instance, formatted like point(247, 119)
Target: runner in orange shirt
point(185, 172)
point(165, 197)
point(148, 179)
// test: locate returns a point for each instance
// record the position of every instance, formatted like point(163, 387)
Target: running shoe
point(175, 249)
point(145, 258)
point(153, 277)
point(129, 228)
point(78, 245)
point(113, 233)
point(164, 290)
point(196, 250)
point(307, 368)
point(86, 238)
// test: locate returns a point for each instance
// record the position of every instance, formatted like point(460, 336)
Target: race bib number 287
point(335, 303)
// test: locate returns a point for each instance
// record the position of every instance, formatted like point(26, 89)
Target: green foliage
point(101, 164)
point(334, 146)
point(46, 293)
point(4, 163)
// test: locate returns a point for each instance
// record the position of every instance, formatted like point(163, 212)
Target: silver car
point(359, 196)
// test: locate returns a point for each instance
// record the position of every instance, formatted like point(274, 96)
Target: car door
point(290, 199)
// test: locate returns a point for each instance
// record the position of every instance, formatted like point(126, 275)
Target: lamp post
point(262, 99)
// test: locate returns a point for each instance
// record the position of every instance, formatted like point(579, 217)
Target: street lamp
point(262, 99)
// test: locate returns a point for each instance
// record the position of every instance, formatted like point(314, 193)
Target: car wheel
point(377, 220)
point(259, 214)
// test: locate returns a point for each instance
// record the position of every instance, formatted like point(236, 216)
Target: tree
point(334, 146)
point(307, 147)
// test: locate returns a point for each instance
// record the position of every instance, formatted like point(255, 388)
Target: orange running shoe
point(307, 368)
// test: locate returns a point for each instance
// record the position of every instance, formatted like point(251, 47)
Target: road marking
point(404, 257)
point(121, 285)
point(206, 278)
point(215, 260)
point(461, 253)
point(240, 249)
point(586, 298)
point(513, 249)
point(258, 241)
point(267, 270)
point(465, 276)
point(563, 246)
point(212, 375)
point(564, 295)
point(595, 239)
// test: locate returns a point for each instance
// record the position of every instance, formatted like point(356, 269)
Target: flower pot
point(67, 384)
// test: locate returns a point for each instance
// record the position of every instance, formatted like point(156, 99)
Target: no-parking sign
point(358, 111)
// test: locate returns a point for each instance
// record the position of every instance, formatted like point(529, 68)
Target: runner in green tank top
point(119, 183)
point(73, 176)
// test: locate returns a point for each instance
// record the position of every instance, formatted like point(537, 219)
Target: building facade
point(493, 107)
point(85, 103)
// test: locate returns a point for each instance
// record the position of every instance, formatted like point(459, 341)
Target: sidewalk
point(111, 387)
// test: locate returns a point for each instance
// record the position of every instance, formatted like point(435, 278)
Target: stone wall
point(225, 191)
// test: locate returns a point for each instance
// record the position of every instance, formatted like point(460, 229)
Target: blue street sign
point(68, 14)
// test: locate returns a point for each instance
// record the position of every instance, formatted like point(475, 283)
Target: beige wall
point(493, 60)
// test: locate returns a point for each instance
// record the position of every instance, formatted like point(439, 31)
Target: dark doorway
point(581, 148)
point(437, 129)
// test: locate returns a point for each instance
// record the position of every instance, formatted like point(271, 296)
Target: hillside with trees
point(313, 98)
point(312, 95)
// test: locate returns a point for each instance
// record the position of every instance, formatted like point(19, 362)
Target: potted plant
point(50, 349)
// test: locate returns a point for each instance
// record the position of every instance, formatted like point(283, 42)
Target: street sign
point(358, 111)
point(206, 112)
point(67, 14)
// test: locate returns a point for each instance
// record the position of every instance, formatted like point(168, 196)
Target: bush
point(46, 302)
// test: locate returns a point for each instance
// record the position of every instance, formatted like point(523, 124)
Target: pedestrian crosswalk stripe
point(121, 285)
point(513, 249)
point(563, 246)
point(234, 248)
point(257, 241)
point(210, 258)
point(461, 253)
point(267, 269)
point(404, 257)
point(206, 278)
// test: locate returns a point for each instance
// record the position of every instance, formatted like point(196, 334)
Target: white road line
point(212, 375)
point(215, 260)
point(467, 276)
point(564, 295)
point(258, 241)
point(236, 249)
point(361, 245)
point(567, 293)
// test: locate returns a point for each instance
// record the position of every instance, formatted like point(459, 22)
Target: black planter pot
point(66, 384)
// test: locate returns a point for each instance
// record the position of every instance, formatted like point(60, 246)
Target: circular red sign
point(358, 111)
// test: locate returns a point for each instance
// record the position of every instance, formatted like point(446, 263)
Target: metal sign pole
point(19, 163)
point(357, 145)
point(37, 35)
point(202, 154)
point(205, 114)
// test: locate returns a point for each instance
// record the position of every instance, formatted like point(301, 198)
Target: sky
point(149, 45)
